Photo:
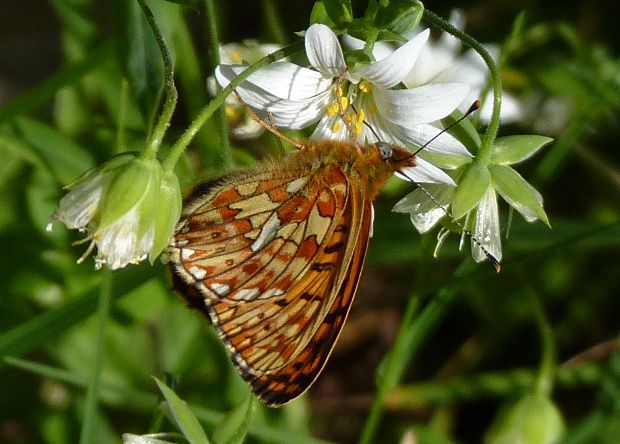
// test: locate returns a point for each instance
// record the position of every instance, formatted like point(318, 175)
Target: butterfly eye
point(385, 150)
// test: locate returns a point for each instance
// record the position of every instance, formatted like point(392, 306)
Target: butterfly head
point(393, 155)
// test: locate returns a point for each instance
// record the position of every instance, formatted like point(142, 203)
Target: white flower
point(348, 103)
point(128, 209)
point(242, 125)
point(475, 197)
point(443, 60)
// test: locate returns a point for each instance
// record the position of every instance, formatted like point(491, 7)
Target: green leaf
point(194, 4)
point(400, 16)
point(518, 193)
point(233, 428)
point(183, 416)
point(471, 188)
point(65, 159)
point(140, 56)
point(513, 149)
point(332, 12)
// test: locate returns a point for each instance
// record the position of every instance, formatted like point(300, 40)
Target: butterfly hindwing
point(271, 255)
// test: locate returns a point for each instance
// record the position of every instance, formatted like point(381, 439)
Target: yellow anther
point(236, 57)
point(332, 109)
point(344, 102)
point(365, 86)
point(231, 112)
point(336, 127)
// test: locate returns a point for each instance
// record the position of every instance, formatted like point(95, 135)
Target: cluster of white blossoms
point(395, 99)
point(129, 206)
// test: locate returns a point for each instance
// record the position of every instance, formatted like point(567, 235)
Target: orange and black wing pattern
point(273, 256)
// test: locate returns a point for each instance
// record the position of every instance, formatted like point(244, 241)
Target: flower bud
point(533, 419)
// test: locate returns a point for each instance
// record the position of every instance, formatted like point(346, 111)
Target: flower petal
point(424, 172)
point(424, 211)
point(425, 104)
point(393, 69)
point(118, 245)
point(486, 229)
point(281, 79)
point(293, 114)
point(78, 207)
point(324, 51)
point(429, 137)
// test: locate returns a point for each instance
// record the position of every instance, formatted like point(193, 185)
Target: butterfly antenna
point(474, 107)
point(268, 126)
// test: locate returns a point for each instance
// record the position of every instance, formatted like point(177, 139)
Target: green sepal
point(446, 161)
point(331, 12)
point(475, 181)
point(127, 189)
point(509, 150)
point(464, 131)
point(400, 16)
point(169, 203)
point(518, 193)
point(533, 419)
point(149, 205)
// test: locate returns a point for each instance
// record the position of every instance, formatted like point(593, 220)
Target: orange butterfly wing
point(275, 256)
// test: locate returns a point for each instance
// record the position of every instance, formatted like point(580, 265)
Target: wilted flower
point(127, 207)
point(296, 97)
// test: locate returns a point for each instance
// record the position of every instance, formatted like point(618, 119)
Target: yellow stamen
point(365, 86)
point(332, 109)
point(359, 123)
point(336, 127)
point(231, 112)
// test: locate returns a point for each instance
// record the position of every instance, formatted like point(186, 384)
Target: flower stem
point(546, 370)
point(170, 90)
point(214, 43)
point(185, 139)
point(484, 153)
point(273, 21)
point(413, 332)
point(87, 433)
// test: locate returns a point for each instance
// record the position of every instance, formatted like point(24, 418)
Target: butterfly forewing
point(270, 257)
point(273, 256)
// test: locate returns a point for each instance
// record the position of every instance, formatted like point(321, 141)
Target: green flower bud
point(128, 207)
point(533, 419)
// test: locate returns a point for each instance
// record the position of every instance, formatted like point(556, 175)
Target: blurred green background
point(66, 83)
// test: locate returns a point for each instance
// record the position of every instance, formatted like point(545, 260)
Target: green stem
point(87, 434)
point(484, 153)
point(214, 42)
point(273, 22)
point(170, 90)
point(546, 370)
point(186, 138)
point(486, 385)
point(410, 338)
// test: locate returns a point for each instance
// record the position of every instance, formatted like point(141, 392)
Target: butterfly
point(273, 255)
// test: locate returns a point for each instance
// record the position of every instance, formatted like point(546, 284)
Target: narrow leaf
point(65, 159)
point(235, 425)
point(183, 416)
